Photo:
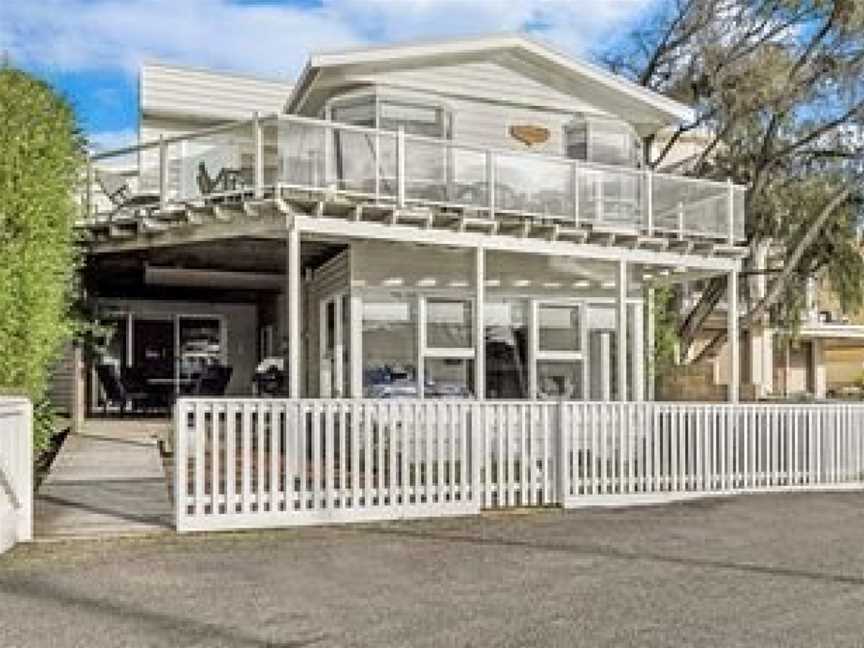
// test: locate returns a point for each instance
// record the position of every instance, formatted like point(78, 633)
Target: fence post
point(258, 142)
point(181, 467)
point(562, 463)
point(163, 172)
point(400, 167)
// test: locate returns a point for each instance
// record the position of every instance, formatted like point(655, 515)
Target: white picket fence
point(245, 463)
point(16, 471)
point(622, 454)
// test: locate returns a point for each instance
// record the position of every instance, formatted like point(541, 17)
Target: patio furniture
point(269, 377)
point(116, 393)
point(118, 191)
point(213, 381)
point(226, 180)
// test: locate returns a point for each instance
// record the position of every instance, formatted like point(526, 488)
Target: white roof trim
point(149, 64)
point(675, 110)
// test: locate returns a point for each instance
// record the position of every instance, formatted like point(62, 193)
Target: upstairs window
point(358, 113)
point(603, 141)
point(417, 120)
point(373, 111)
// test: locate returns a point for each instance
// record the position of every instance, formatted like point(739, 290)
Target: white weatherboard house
point(366, 205)
point(451, 246)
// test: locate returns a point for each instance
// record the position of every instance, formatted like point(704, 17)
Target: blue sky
point(91, 49)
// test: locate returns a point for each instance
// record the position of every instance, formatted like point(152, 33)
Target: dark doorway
point(153, 353)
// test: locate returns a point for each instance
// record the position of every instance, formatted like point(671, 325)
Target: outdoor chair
point(116, 393)
point(213, 381)
point(226, 180)
point(117, 189)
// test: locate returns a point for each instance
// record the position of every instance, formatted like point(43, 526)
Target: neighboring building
point(355, 234)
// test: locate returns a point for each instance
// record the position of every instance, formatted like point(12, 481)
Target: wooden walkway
point(106, 481)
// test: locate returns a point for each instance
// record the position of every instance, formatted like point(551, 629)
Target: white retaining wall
point(16, 472)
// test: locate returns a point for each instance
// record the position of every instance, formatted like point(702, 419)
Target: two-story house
point(459, 219)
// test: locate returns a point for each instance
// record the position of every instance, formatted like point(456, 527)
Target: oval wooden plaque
point(529, 134)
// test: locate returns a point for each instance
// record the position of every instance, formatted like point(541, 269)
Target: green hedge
point(41, 157)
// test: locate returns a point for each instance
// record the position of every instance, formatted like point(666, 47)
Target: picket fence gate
point(250, 463)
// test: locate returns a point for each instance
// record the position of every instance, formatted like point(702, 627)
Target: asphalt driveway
point(764, 570)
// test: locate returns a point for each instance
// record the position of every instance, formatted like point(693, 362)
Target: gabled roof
point(603, 86)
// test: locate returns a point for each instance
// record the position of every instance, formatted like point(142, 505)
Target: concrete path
point(107, 480)
point(761, 570)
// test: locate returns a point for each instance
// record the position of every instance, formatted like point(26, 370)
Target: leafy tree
point(40, 164)
point(778, 87)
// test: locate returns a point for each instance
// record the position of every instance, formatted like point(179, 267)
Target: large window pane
point(559, 380)
point(449, 378)
point(359, 113)
point(415, 119)
point(389, 347)
point(603, 352)
point(506, 349)
point(448, 324)
point(559, 328)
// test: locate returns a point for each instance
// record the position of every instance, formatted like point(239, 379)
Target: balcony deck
point(244, 178)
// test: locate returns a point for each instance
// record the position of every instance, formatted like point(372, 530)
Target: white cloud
point(274, 40)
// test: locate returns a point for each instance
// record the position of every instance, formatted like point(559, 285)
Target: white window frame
point(537, 355)
point(424, 351)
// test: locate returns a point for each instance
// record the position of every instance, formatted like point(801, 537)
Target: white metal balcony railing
point(291, 152)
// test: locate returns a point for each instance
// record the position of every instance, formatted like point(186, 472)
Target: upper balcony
point(414, 179)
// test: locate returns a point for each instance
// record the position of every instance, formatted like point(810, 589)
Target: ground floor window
point(507, 373)
point(416, 345)
point(389, 339)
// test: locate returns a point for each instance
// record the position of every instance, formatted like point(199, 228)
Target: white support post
point(733, 336)
point(356, 351)
point(293, 302)
point(574, 187)
point(377, 154)
point(621, 322)
point(680, 219)
point(480, 324)
point(637, 363)
point(817, 367)
point(598, 198)
point(730, 211)
point(533, 345)
point(490, 182)
point(258, 141)
point(650, 367)
point(605, 368)
point(421, 346)
point(649, 202)
point(163, 172)
point(400, 167)
point(338, 378)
